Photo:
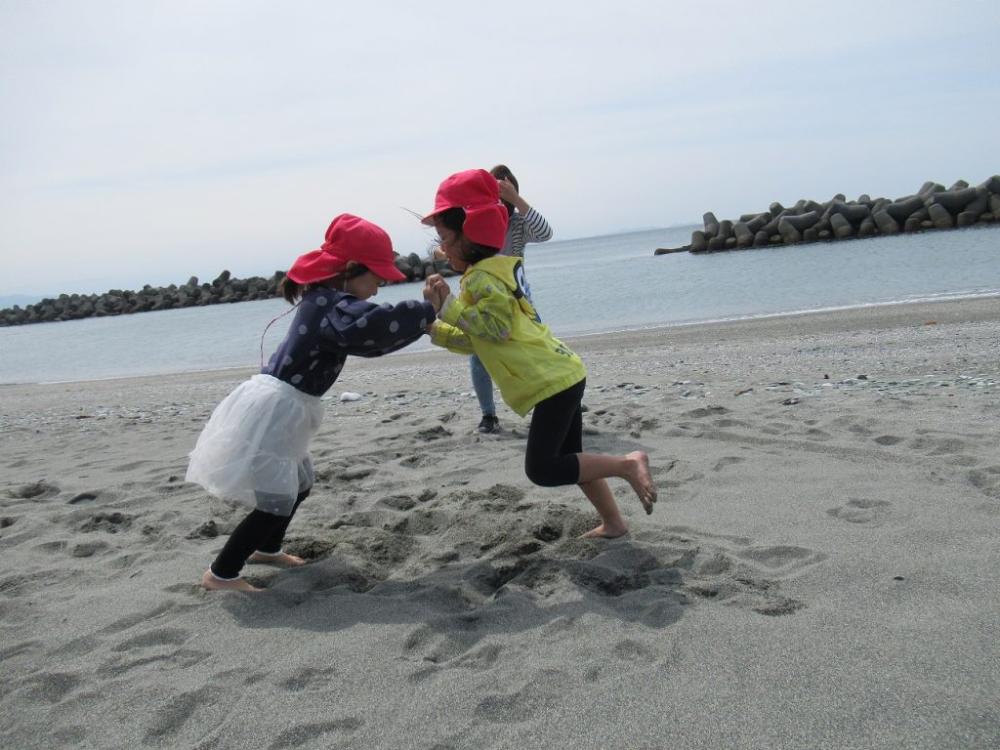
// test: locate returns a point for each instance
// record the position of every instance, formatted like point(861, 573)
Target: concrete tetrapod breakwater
point(932, 207)
point(224, 289)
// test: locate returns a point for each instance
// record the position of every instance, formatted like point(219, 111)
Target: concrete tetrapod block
point(901, 209)
point(954, 200)
point(915, 220)
point(699, 243)
point(841, 227)
point(855, 213)
point(802, 221)
point(966, 219)
point(788, 232)
point(885, 223)
point(979, 204)
point(744, 237)
point(757, 222)
point(940, 216)
point(992, 184)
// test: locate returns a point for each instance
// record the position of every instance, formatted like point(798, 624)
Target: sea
point(580, 287)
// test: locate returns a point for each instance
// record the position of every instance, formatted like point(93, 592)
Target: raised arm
point(536, 228)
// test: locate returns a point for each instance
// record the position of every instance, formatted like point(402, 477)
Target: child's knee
point(539, 472)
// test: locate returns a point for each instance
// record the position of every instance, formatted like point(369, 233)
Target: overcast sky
point(143, 142)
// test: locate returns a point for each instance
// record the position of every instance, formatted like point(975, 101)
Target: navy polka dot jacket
point(329, 325)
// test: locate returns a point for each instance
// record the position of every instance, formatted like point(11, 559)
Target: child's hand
point(507, 191)
point(432, 292)
point(440, 286)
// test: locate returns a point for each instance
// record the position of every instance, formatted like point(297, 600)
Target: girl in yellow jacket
point(493, 318)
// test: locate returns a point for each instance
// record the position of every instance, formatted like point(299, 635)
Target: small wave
point(940, 297)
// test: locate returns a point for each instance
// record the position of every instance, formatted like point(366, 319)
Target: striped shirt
point(525, 228)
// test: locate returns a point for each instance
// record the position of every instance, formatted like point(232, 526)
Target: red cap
point(348, 238)
point(478, 193)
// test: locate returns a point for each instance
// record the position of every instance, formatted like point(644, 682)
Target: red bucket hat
point(348, 238)
point(478, 193)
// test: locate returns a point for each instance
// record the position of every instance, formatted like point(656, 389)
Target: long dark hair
point(472, 252)
point(293, 291)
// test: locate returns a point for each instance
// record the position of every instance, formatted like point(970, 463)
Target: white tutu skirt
point(255, 448)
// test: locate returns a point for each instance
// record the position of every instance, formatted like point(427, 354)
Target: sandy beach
point(821, 570)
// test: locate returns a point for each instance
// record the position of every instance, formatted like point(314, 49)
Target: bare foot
point(211, 583)
point(282, 559)
point(641, 480)
point(605, 531)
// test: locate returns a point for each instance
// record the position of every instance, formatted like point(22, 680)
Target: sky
point(144, 142)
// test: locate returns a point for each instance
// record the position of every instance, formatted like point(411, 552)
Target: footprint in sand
point(309, 679)
point(40, 490)
point(986, 480)
point(309, 734)
point(862, 511)
point(25, 648)
point(207, 705)
point(630, 650)
point(725, 461)
point(482, 658)
point(539, 694)
point(88, 549)
point(131, 466)
point(155, 639)
point(111, 523)
point(938, 446)
point(83, 497)
point(182, 658)
point(478, 659)
point(50, 687)
point(889, 440)
point(782, 560)
point(397, 502)
point(814, 433)
point(706, 411)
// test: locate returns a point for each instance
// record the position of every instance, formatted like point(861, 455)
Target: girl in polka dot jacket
point(255, 447)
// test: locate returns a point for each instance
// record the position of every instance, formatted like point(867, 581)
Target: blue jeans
point(483, 386)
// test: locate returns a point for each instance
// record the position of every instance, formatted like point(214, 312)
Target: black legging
point(258, 532)
point(555, 438)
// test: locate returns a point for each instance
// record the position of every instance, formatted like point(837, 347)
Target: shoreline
point(888, 314)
